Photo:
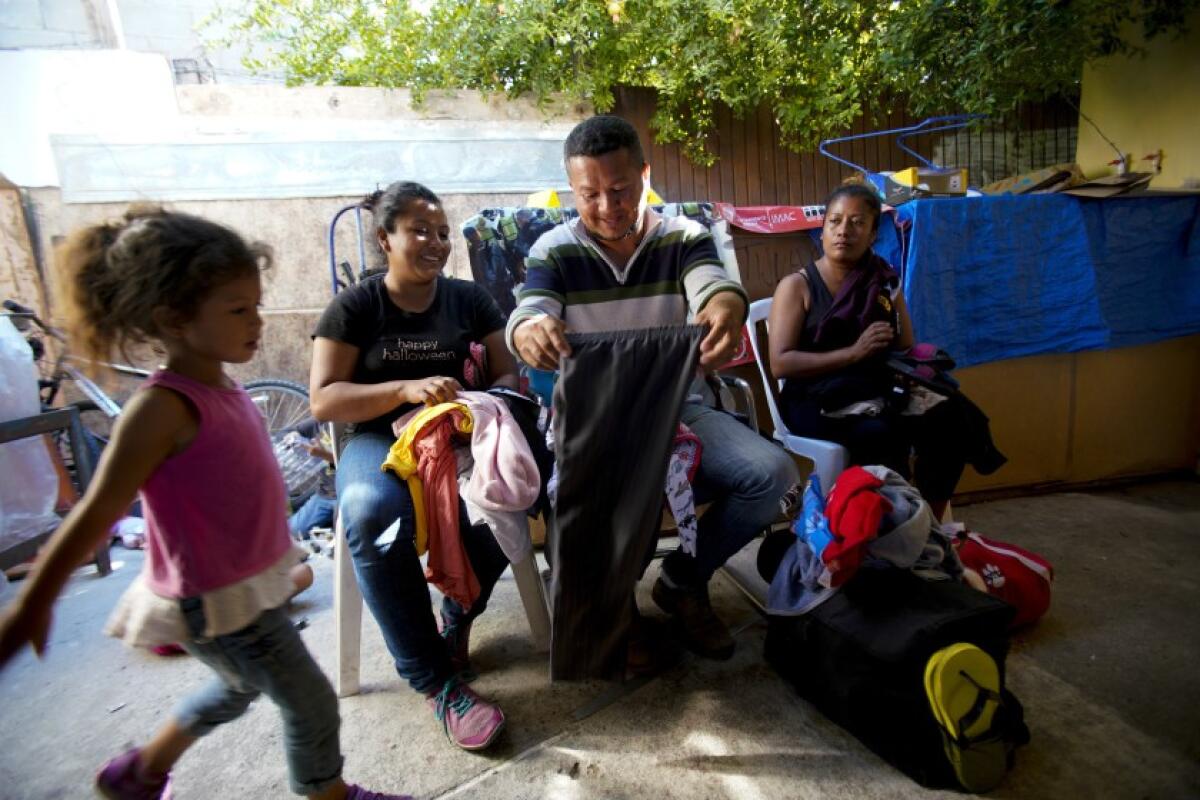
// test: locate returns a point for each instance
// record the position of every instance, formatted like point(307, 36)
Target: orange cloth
point(448, 567)
point(402, 459)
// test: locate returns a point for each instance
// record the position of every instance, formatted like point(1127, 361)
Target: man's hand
point(723, 315)
point(542, 342)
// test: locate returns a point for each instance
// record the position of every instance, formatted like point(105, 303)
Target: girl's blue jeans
point(377, 515)
point(269, 657)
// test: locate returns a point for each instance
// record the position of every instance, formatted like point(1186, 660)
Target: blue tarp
point(989, 278)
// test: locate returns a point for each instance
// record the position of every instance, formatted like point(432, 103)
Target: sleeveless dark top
point(820, 300)
point(839, 389)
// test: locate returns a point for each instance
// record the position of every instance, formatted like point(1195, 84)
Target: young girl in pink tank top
point(192, 442)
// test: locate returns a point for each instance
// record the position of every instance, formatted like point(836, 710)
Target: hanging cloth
point(617, 402)
point(403, 462)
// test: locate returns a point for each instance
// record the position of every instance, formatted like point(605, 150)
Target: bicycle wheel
point(284, 406)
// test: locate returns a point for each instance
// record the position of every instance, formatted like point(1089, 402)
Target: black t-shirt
point(445, 339)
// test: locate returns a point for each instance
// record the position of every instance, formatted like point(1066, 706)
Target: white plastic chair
point(347, 597)
point(829, 458)
point(348, 602)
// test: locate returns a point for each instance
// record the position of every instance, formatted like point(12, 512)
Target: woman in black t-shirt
point(394, 341)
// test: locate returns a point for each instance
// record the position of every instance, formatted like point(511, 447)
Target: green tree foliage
point(818, 63)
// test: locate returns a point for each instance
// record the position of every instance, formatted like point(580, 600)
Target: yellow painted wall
point(1143, 104)
point(1072, 418)
point(1066, 419)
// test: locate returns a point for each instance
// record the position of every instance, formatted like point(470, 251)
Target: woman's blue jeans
point(377, 515)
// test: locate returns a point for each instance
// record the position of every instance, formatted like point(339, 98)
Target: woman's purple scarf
point(864, 297)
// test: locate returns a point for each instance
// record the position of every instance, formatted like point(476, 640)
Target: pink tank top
point(216, 513)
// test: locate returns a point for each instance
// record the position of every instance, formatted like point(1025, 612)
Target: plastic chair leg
point(533, 597)
point(829, 467)
point(347, 610)
point(348, 607)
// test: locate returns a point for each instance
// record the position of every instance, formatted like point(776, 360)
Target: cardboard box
point(934, 181)
point(1112, 185)
point(892, 192)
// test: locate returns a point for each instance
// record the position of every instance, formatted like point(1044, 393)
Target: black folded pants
point(616, 405)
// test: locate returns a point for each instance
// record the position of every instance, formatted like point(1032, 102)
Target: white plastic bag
point(29, 488)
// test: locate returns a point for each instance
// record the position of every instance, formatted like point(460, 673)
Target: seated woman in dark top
point(832, 327)
point(391, 342)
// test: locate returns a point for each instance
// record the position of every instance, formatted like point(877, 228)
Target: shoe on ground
point(703, 632)
point(470, 722)
point(121, 779)
point(168, 650)
point(354, 792)
point(651, 650)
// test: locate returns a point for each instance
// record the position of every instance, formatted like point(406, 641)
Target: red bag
point(1020, 578)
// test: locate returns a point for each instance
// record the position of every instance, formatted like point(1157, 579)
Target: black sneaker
point(703, 631)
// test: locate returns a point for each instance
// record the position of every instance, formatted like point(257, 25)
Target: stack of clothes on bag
point(872, 518)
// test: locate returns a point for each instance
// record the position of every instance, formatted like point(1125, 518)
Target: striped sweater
point(671, 275)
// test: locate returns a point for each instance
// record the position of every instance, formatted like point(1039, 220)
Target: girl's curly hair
point(114, 275)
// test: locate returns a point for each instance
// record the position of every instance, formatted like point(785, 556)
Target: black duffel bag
point(860, 658)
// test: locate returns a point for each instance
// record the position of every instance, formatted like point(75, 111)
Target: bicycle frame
point(62, 369)
point(282, 403)
point(92, 391)
point(362, 251)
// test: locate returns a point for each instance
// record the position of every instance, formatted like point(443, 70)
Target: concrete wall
point(1144, 104)
point(81, 92)
point(297, 288)
point(19, 279)
point(110, 126)
point(217, 118)
point(327, 103)
point(55, 23)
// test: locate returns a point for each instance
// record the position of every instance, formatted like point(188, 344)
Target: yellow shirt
point(403, 461)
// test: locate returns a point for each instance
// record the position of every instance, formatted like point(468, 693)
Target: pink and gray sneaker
point(121, 779)
point(354, 792)
point(470, 722)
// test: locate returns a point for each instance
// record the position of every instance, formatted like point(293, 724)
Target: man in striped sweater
point(621, 265)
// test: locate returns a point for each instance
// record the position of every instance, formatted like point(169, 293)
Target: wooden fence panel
point(755, 169)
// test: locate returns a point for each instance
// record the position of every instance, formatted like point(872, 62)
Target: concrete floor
point(1108, 679)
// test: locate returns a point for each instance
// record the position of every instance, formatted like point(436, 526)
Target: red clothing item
point(448, 567)
point(854, 510)
point(1017, 576)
